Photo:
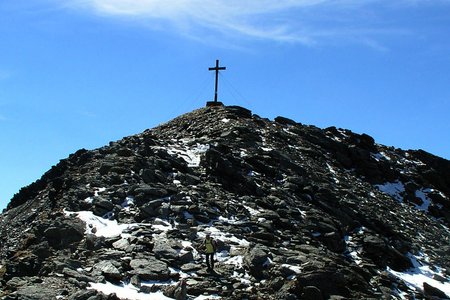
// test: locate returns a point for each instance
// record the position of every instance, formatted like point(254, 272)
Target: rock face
point(298, 212)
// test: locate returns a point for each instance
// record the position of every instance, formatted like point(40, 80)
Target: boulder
point(102, 206)
point(255, 260)
point(109, 270)
point(36, 292)
point(149, 268)
point(163, 249)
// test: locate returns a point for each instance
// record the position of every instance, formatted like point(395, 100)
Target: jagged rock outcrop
point(298, 212)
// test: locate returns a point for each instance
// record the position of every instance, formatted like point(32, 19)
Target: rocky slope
point(298, 212)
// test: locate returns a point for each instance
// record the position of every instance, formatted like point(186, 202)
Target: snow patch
point(252, 211)
point(231, 220)
point(380, 156)
point(224, 237)
point(191, 155)
point(127, 291)
point(162, 225)
point(333, 171)
point(205, 297)
point(354, 249)
point(266, 149)
point(296, 269)
point(99, 190)
point(129, 201)
point(415, 277)
point(100, 226)
point(393, 189)
point(225, 258)
point(422, 194)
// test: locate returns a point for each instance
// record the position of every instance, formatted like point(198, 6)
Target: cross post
point(217, 69)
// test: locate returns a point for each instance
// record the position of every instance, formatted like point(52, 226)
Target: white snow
point(335, 138)
point(162, 225)
point(100, 226)
point(225, 237)
point(210, 297)
point(99, 190)
point(190, 154)
point(420, 273)
point(425, 200)
point(230, 220)
point(296, 269)
point(252, 173)
point(252, 211)
point(354, 249)
point(127, 291)
point(225, 258)
point(288, 131)
point(393, 189)
point(396, 189)
point(333, 171)
point(302, 212)
point(380, 156)
point(127, 202)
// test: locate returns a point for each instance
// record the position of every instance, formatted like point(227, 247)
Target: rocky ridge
point(299, 212)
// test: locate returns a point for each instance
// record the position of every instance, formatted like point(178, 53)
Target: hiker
point(210, 248)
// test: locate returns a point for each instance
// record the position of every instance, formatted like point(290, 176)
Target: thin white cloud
point(300, 21)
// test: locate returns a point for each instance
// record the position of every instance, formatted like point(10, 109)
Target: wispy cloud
point(307, 22)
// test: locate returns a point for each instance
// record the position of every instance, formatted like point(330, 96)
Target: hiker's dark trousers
point(210, 260)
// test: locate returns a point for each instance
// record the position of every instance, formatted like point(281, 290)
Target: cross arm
point(217, 68)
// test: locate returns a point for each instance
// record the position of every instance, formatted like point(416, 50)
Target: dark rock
point(83, 295)
point(35, 292)
point(109, 270)
point(432, 291)
point(76, 275)
point(163, 249)
point(285, 121)
point(255, 260)
point(311, 293)
point(102, 206)
point(149, 268)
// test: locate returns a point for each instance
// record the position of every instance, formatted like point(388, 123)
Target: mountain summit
point(297, 212)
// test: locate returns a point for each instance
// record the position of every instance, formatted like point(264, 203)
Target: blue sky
point(81, 73)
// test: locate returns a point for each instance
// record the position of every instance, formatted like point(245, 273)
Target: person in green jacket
point(210, 248)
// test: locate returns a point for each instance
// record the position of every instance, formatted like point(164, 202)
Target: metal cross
point(217, 69)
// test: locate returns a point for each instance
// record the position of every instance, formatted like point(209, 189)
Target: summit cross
point(217, 69)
